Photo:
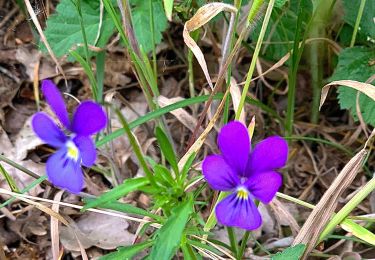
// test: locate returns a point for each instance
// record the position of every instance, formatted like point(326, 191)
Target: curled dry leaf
point(365, 88)
point(203, 16)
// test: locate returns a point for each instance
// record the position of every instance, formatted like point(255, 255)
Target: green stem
point(232, 32)
point(137, 150)
point(252, 14)
point(344, 212)
point(180, 104)
point(295, 200)
point(233, 240)
point(19, 167)
point(152, 27)
point(94, 86)
point(292, 77)
point(190, 59)
point(317, 53)
point(357, 22)
point(245, 238)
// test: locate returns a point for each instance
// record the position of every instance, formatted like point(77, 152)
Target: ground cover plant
point(167, 129)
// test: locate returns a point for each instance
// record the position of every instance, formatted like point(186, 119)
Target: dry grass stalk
point(323, 211)
point(43, 37)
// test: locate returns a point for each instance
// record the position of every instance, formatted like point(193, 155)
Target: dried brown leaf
point(323, 211)
point(203, 16)
point(365, 88)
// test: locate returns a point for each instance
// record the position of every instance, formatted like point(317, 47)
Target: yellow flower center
point(242, 193)
point(73, 151)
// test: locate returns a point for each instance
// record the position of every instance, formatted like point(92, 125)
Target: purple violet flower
point(64, 167)
point(246, 174)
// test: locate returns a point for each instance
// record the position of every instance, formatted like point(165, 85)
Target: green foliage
point(127, 252)
point(168, 7)
point(168, 237)
point(126, 208)
point(9, 179)
point(280, 3)
point(367, 22)
point(281, 29)
point(123, 189)
point(356, 63)
point(142, 22)
point(166, 148)
point(64, 32)
point(290, 253)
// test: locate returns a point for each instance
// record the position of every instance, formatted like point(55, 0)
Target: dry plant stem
point(48, 211)
point(354, 202)
point(322, 212)
point(55, 241)
point(2, 253)
point(43, 37)
point(105, 212)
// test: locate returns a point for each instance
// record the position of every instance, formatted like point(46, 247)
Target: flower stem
point(245, 238)
point(233, 240)
point(357, 22)
point(136, 148)
point(250, 72)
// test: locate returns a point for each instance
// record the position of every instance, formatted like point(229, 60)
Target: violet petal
point(234, 144)
point(219, 175)
point(86, 148)
point(241, 213)
point(268, 155)
point(89, 118)
point(264, 185)
point(47, 130)
point(64, 172)
point(55, 101)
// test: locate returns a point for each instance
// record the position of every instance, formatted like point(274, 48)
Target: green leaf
point(366, 25)
point(187, 167)
point(281, 29)
point(123, 189)
point(9, 179)
point(357, 63)
point(290, 253)
point(163, 176)
point(358, 231)
point(280, 3)
point(169, 235)
point(126, 208)
point(166, 148)
point(141, 22)
point(63, 29)
point(127, 252)
point(168, 7)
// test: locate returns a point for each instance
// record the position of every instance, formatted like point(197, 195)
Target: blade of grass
point(180, 104)
point(136, 148)
point(250, 72)
point(90, 74)
point(357, 22)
